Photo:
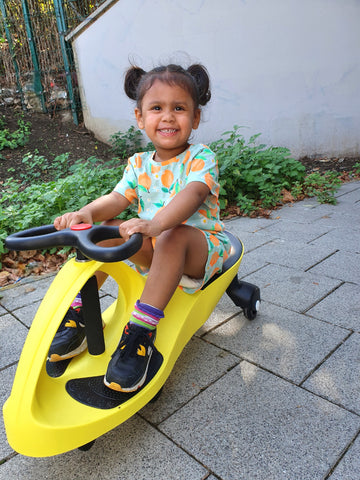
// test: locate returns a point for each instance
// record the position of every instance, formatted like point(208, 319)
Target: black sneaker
point(70, 339)
point(129, 363)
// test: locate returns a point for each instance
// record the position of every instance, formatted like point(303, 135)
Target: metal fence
point(36, 63)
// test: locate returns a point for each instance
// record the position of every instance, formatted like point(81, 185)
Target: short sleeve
point(128, 184)
point(203, 168)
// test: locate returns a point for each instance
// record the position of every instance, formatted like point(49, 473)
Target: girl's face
point(168, 116)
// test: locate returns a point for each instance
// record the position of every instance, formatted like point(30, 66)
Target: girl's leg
point(181, 250)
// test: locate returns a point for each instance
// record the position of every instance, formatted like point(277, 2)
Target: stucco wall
point(289, 69)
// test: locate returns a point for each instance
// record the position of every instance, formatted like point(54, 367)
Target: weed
point(323, 186)
point(15, 139)
point(126, 144)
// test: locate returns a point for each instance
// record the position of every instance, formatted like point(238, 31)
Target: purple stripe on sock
point(156, 312)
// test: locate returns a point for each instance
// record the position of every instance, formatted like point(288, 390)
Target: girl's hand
point(149, 228)
point(72, 218)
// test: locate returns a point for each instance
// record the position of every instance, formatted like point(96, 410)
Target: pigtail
point(202, 81)
point(132, 79)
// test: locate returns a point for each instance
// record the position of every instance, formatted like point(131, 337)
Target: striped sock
point(77, 303)
point(145, 315)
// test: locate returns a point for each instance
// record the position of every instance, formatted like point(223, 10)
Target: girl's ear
point(139, 118)
point(196, 120)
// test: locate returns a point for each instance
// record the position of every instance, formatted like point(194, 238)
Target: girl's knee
point(175, 234)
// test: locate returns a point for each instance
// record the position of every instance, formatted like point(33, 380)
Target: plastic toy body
point(54, 408)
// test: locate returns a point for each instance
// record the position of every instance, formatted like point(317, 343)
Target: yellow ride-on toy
point(56, 407)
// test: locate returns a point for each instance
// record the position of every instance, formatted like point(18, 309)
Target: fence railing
point(36, 62)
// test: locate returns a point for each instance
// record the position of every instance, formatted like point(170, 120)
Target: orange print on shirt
point(214, 258)
point(197, 164)
point(138, 161)
point(130, 194)
point(155, 168)
point(167, 178)
point(214, 240)
point(209, 180)
point(145, 180)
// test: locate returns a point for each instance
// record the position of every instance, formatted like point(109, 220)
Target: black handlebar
point(84, 239)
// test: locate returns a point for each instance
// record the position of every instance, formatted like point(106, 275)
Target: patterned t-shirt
point(151, 185)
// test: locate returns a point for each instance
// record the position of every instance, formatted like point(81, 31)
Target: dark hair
point(195, 80)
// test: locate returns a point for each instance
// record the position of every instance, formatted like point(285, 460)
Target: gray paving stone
point(342, 265)
point(341, 218)
point(251, 240)
point(251, 262)
point(350, 194)
point(25, 294)
point(2, 309)
point(199, 365)
point(291, 288)
point(307, 211)
point(253, 425)
point(345, 240)
point(6, 381)
point(294, 231)
point(341, 307)
point(349, 466)
point(293, 254)
point(12, 338)
point(247, 224)
point(338, 379)
point(26, 314)
point(223, 310)
point(348, 187)
point(286, 343)
point(134, 450)
point(110, 287)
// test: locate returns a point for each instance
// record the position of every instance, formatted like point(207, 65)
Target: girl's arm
point(181, 207)
point(103, 208)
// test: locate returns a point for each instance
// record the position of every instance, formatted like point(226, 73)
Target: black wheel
point(87, 446)
point(250, 314)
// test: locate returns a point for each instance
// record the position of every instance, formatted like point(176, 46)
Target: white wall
point(289, 69)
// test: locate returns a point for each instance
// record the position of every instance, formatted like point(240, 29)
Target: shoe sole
point(119, 388)
point(54, 357)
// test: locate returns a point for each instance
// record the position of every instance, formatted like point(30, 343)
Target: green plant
point(356, 169)
point(126, 144)
point(36, 166)
point(15, 139)
point(323, 186)
point(253, 175)
point(39, 203)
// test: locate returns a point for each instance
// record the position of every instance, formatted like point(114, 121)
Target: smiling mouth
point(167, 131)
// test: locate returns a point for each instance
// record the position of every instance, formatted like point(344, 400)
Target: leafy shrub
point(15, 139)
point(323, 186)
point(124, 145)
point(253, 175)
point(22, 207)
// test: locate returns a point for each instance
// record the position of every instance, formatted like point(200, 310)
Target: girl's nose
point(168, 115)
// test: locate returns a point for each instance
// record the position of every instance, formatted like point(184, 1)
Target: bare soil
point(50, 136)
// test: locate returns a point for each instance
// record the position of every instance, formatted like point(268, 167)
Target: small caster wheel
point(251, 312)
point(87, 446)
point(157, 396)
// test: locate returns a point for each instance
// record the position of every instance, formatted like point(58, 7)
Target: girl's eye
point(179, 108)
point(157, 108)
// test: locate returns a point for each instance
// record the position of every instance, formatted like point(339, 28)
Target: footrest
point(56, 369)
point(91, 391)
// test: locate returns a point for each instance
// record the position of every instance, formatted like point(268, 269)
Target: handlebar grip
point(84, 240)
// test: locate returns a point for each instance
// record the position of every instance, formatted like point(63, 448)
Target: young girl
point(176, 191)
